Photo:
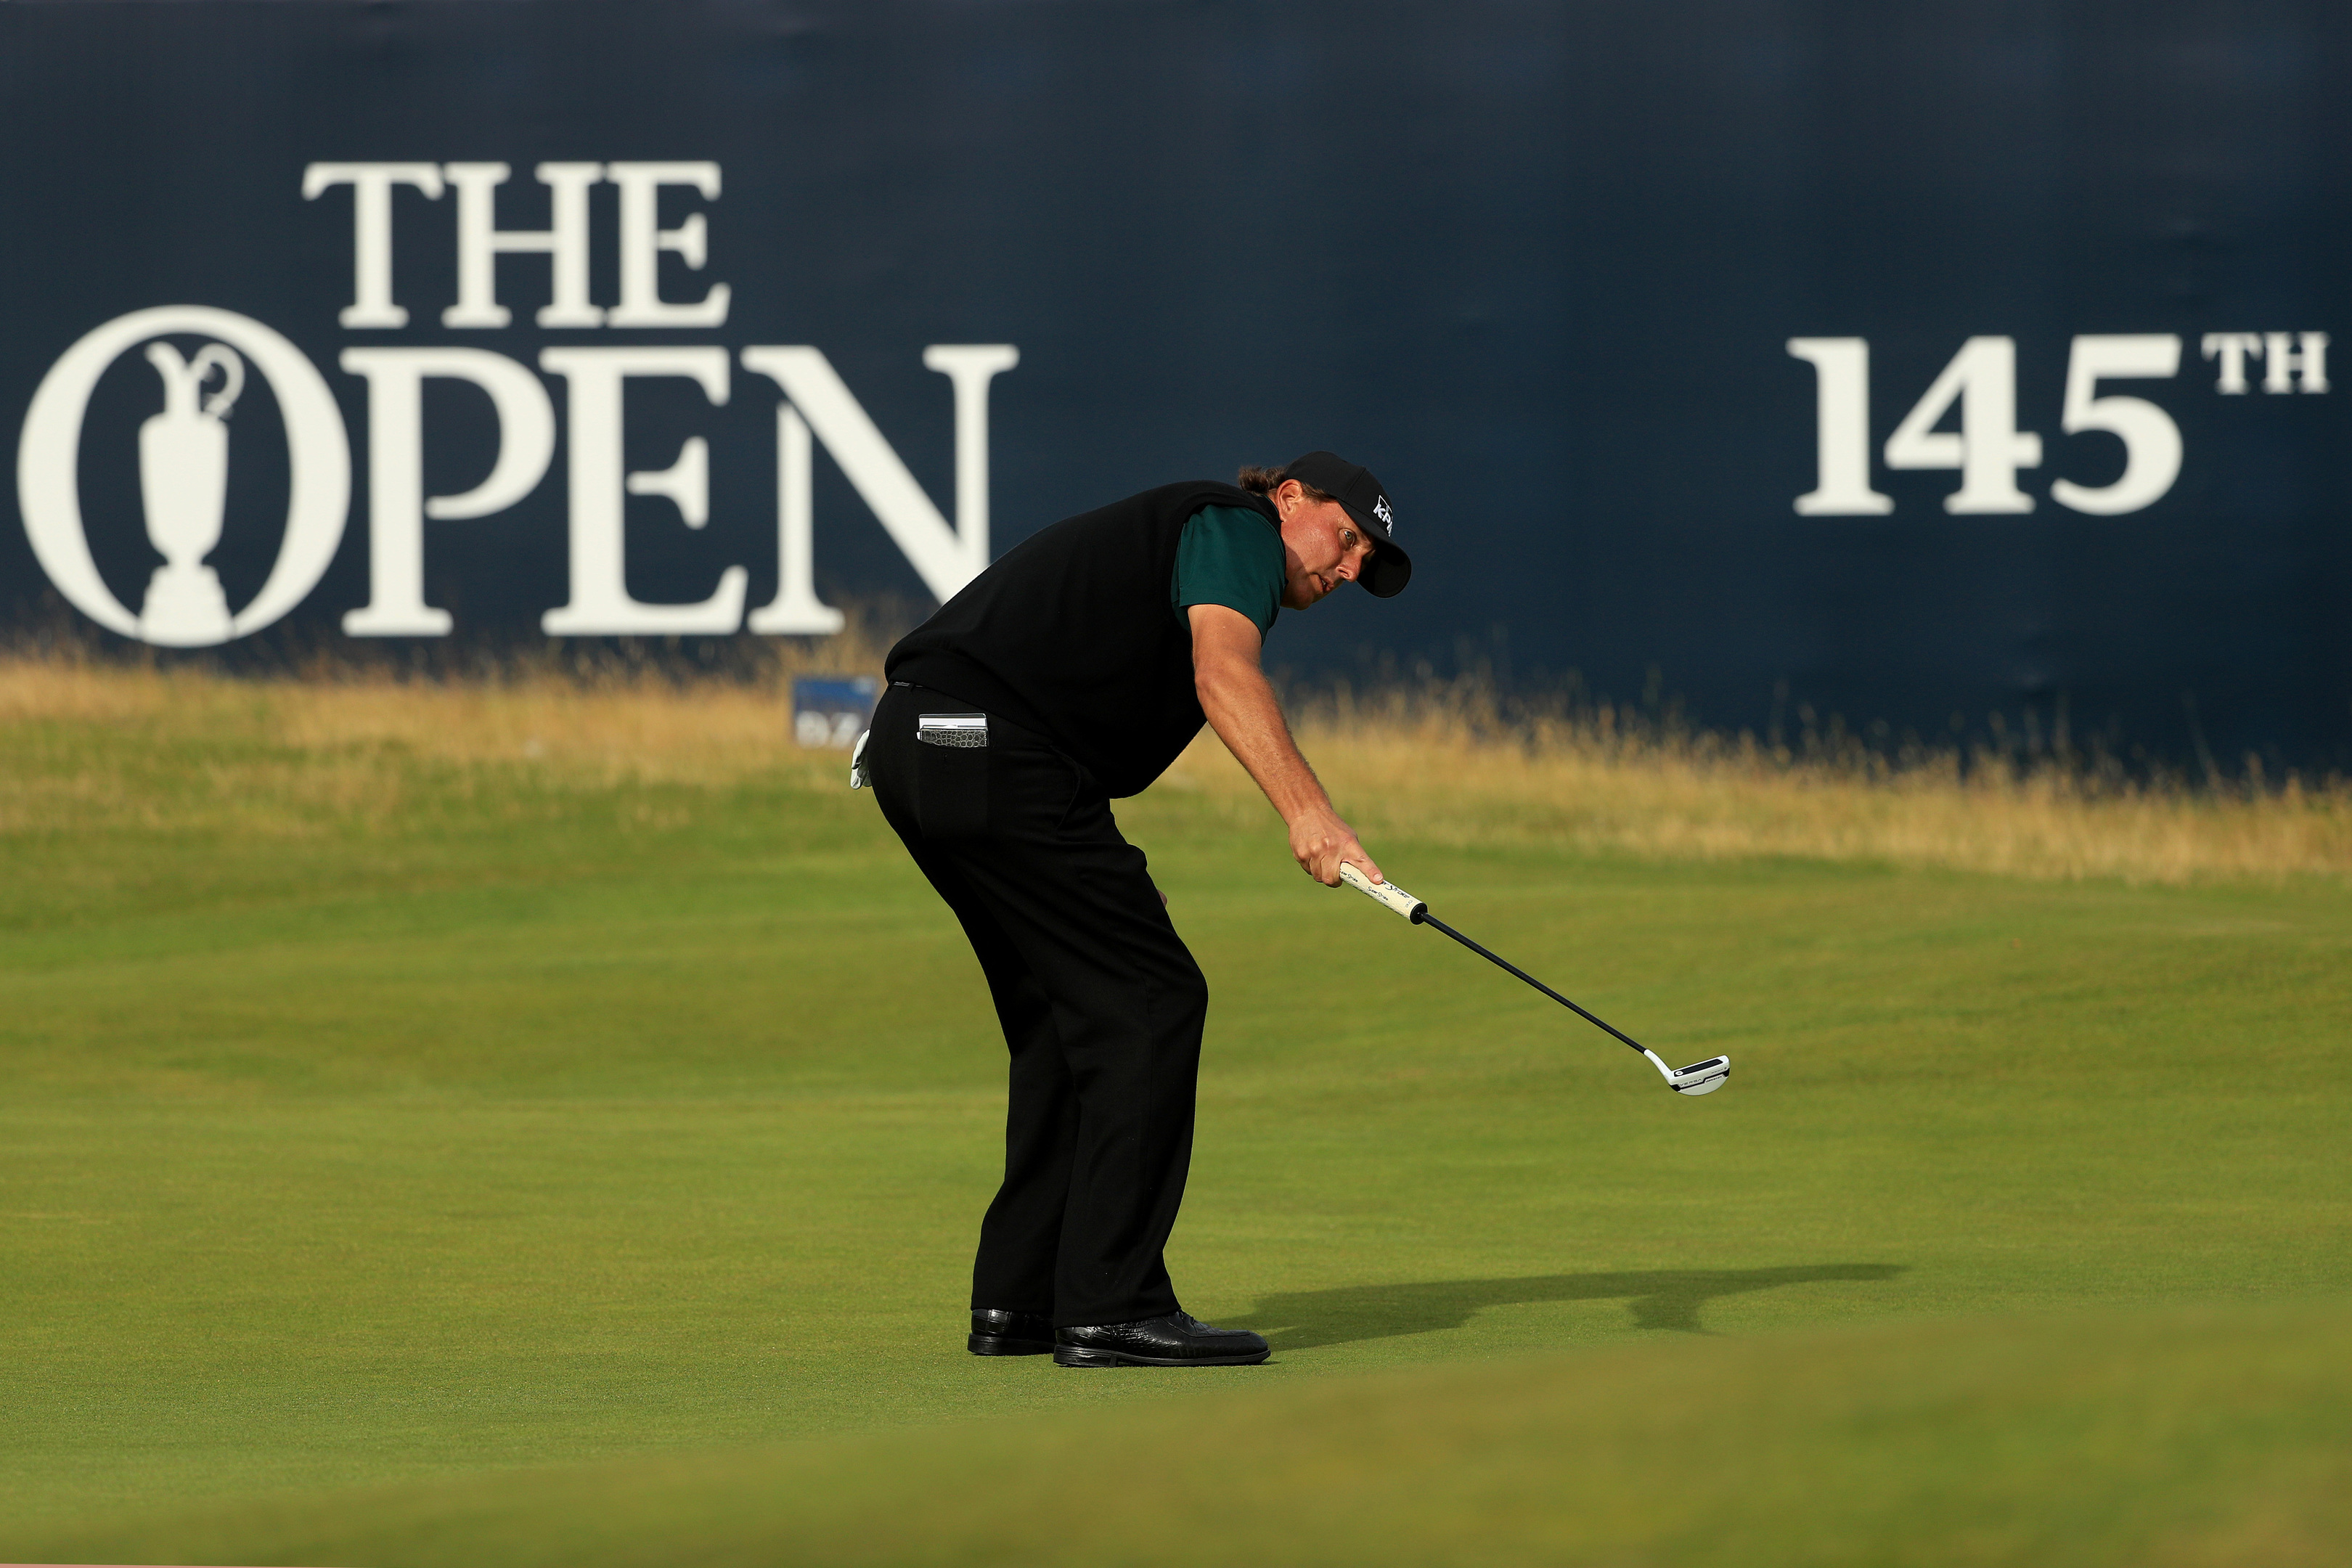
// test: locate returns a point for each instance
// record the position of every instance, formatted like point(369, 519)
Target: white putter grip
point(1389, 893)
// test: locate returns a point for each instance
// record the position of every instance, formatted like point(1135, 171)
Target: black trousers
point(1102, 1008)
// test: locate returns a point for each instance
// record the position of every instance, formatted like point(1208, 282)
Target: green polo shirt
point(1232, 556)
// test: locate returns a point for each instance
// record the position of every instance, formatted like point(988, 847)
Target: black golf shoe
point(1009, 1333)
point(1173, 1339)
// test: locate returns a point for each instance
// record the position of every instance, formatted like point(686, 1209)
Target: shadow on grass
point(1660, 1298)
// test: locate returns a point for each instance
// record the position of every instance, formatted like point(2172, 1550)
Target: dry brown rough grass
point(1444, 766)
point(271, 755)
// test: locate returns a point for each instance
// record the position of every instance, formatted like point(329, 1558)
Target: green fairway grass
point(370, 1119)
point(2109, 1440)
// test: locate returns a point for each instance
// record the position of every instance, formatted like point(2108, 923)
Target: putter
point(1699, 1078)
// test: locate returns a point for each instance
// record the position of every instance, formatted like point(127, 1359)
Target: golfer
point(1068, 675)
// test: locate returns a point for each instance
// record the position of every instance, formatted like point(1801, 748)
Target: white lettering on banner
point(2233, 348)
point(945, 558)
point(183, 471)
point(2295, 359)
point(685, 484)
point(2288, 365)
point(600, 605)
point(1988, 449)
point(371, 185)
point(1841, 418)
point(480, 242)
point(796, 611)
point(2151, 440)
point(397, 505)
point(2284, 362)
point(185, 449)
point(643, 240)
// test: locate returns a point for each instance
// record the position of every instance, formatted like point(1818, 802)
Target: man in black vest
point(1071, 673)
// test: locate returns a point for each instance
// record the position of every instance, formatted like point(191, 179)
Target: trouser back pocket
point(951, 768)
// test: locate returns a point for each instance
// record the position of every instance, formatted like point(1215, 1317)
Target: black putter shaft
point(1428, 919)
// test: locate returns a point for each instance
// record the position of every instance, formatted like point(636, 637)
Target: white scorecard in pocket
point(952, 729)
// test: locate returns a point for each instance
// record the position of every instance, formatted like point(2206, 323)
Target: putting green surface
point(2122, 1439)
point(531, 1126)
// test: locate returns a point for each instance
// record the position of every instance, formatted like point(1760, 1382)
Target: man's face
point(1321, 546)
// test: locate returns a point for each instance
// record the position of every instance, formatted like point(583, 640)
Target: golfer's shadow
point(1661, 1299)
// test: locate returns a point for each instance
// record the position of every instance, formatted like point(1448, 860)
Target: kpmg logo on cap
point(1380, 510)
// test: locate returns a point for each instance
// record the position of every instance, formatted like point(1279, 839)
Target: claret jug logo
point(184, 480)
point(184, 452)
point(203, 360)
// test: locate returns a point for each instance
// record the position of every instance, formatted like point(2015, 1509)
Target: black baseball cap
point(1388, 569)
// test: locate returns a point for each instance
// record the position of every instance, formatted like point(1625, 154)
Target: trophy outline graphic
point(183, 485)
point(318, 455)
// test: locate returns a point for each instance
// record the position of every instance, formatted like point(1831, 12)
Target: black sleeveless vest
point(1072, 634)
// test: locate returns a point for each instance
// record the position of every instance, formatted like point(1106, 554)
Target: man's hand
point(1320, 841)
point(1243, 710)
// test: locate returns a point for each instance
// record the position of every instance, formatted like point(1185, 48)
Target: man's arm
point(1242, 710)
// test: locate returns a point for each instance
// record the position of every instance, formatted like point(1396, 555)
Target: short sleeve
point(1233, 556)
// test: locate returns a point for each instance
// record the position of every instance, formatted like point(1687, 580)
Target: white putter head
point(1699, 1078)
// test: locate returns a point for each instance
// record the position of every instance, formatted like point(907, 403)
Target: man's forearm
point(1242, 708)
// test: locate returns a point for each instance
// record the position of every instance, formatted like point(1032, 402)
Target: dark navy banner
point(1911, 364)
